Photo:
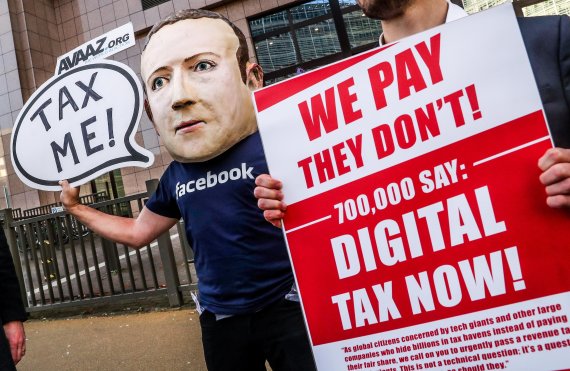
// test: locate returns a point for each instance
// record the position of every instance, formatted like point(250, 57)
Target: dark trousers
point(6, 362)
point(244, 342)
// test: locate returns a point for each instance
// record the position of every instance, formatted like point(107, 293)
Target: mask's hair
point(242, 53)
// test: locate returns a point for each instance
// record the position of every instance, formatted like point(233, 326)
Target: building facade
point(286, 37)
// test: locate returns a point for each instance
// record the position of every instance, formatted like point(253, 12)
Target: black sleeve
point(11, 307)
point(162, 202)
point(547, 41)
point(565, 57)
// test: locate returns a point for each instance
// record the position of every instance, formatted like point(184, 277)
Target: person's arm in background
point(270, 198)
point(129, 231)
point(12, 312)
point(555, 163)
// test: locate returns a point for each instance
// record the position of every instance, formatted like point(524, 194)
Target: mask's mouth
point(187, 125)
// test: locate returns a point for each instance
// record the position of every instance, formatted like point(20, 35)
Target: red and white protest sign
point(416, 223)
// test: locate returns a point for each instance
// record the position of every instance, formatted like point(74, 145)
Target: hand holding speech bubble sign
point(78, 126)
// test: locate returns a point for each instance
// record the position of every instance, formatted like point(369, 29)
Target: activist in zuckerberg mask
point(198, 84)
point(198, 88)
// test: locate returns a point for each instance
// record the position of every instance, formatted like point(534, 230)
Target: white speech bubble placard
point(78, 126)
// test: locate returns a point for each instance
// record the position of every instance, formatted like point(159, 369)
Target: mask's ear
point(149, 114)
point(254, 76)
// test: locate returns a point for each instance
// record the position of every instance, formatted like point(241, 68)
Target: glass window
point(269, 23)
point(474, 6)
point(276, 52)
point(346, 3)
point(550, 7)
point(119, 183)
point(147, 4)
point(280, 78)
point(309, 35)
point(318, 40)
point(310, 10)
point(532, 7)
point(361, 29)
point(110, 183)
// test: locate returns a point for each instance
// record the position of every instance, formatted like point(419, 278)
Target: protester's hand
point(555, 164)
point(16, 336)
point(270, 198)
point(69, 196)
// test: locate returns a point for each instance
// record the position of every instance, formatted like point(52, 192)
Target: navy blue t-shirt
point(241, 260)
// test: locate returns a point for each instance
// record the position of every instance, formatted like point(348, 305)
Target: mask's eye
point(158, 83)
point(204, 66)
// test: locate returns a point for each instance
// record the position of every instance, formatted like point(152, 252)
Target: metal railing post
point(11, 237)
point(110, 255)
point(168, 260)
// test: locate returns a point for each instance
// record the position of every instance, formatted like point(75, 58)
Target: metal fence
point(60, 262)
